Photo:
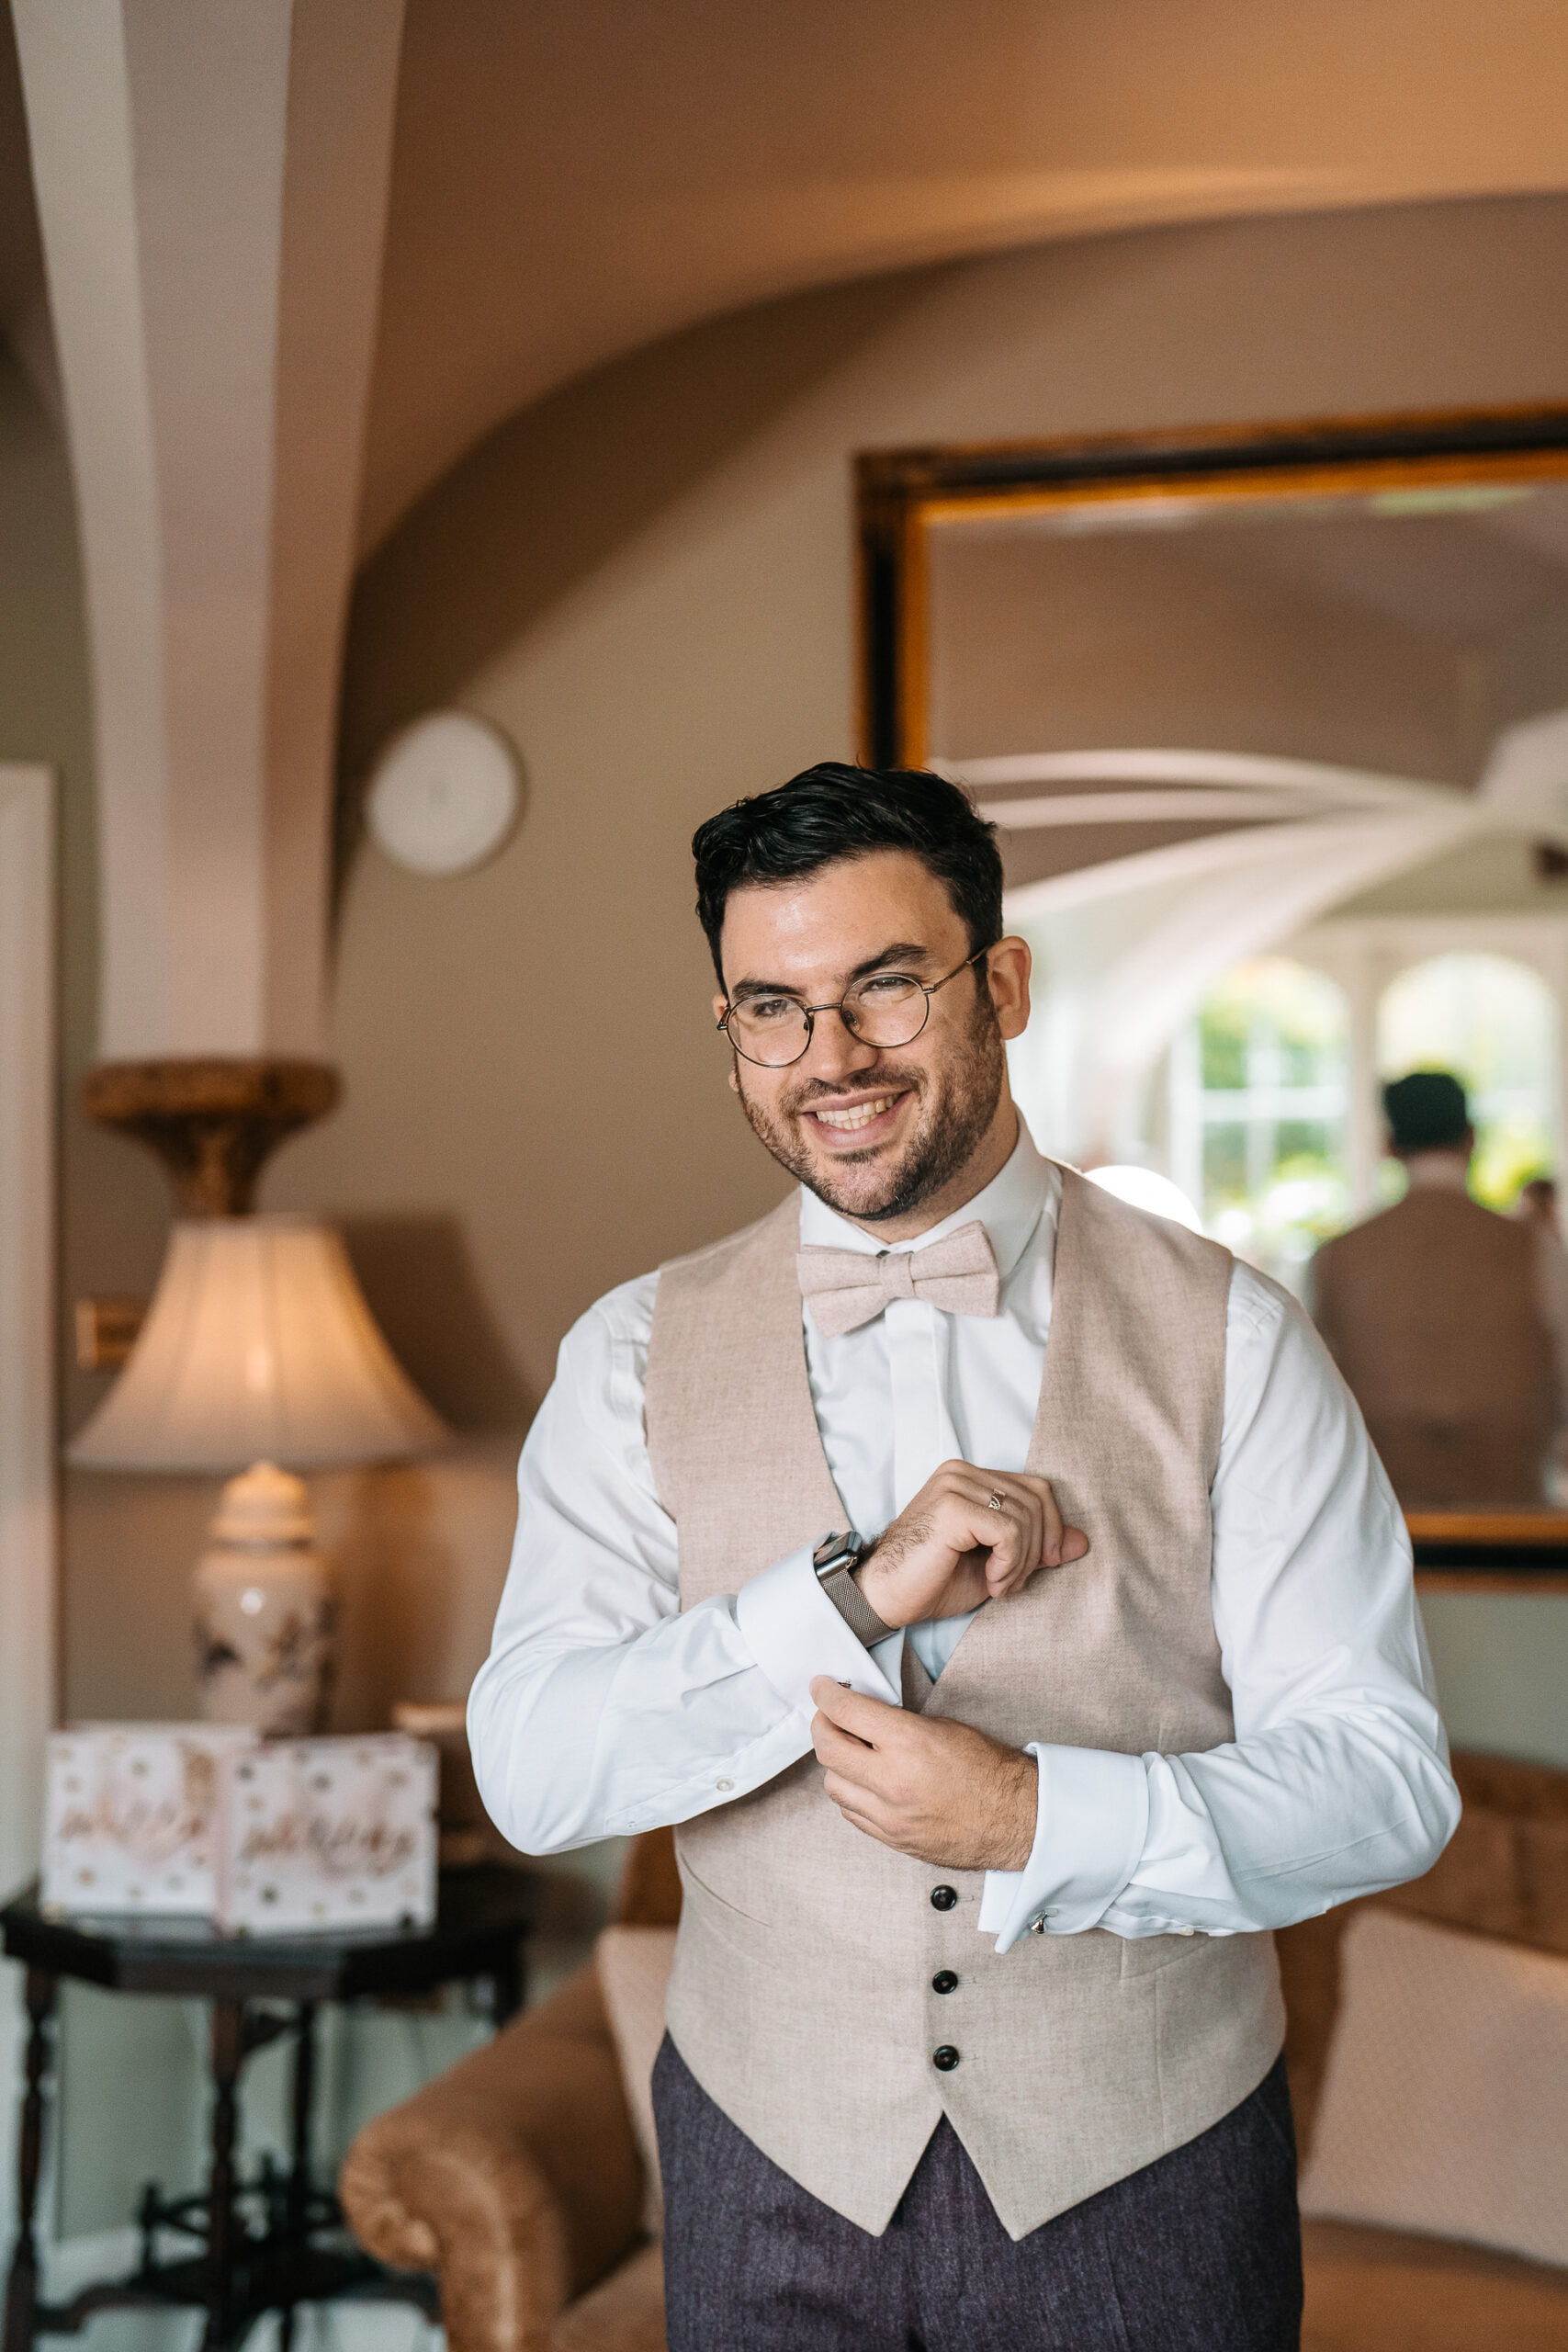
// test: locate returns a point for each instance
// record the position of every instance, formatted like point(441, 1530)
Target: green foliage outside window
point(1273, 1036)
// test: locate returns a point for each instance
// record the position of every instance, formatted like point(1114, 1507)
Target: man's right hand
point(952, 1549)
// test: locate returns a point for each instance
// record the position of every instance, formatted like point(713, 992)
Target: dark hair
point(830, 812)
point(1426, 1111)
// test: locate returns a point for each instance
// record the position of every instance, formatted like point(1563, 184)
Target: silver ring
point(994, 1501)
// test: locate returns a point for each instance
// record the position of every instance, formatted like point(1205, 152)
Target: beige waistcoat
point(1431, 1312)
point(802, 1995)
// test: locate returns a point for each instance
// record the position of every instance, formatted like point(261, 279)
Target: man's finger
point(1010, 1575)
point(1013, 1533)
point(871, 1720)
point(1059, 1543)
point(1001, 1534)
point(841, 1749)
point(843, 1790)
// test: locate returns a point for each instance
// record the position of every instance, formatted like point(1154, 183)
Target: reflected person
point(1449, 1322)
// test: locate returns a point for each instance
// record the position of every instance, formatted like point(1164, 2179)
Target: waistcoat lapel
point(1127, 1430)
point(732, 1433)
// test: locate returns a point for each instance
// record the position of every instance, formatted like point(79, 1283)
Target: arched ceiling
point(569, 183)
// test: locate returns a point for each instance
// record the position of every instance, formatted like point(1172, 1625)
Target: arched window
point(1260, 1093)
point(1494, 1023)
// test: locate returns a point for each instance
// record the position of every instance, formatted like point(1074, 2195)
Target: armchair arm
point(514, 2175)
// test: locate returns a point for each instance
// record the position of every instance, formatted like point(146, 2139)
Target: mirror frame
point(900, 494)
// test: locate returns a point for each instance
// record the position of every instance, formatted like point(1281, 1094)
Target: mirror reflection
point(1280, 753)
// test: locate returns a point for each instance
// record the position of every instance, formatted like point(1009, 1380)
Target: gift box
point(327, 1833)
point(130, 1815)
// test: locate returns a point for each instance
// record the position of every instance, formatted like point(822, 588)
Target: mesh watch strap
point(853, 1607)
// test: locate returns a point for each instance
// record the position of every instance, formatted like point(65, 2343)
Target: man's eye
point(763, 1009)
point(889, 985)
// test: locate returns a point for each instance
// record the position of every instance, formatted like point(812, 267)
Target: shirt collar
point(1010, 1207)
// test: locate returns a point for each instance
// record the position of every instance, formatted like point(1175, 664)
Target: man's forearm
point(1251, 1836)
point(591, 1742)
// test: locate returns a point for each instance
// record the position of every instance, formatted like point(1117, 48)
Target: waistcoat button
point(945, 2059)
point(943, 1897)
point(943, 1980)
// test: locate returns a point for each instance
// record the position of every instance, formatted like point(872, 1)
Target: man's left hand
point(936, 1790)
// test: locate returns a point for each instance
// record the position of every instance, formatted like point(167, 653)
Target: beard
point(956, 1101)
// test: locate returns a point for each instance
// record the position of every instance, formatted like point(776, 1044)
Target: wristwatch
point(835, 1560)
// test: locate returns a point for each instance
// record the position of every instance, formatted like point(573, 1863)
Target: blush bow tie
point(846, 1287)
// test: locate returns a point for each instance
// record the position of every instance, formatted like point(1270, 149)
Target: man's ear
point(1007, 966)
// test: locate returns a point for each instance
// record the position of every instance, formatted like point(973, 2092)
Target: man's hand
point(950, 1548)
point(936, 1790)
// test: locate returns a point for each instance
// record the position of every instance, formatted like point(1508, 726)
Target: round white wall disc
point(445, 795)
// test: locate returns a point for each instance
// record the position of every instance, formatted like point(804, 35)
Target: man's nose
point(835, 1052)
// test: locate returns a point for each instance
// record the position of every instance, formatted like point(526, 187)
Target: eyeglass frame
point(811, 1012)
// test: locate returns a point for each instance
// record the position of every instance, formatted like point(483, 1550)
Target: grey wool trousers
point(1199, 2252)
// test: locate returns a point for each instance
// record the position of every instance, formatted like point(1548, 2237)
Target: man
point(1451, 1324)
point(974, 2028)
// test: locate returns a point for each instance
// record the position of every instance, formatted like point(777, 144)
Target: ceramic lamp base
point(264, 1611)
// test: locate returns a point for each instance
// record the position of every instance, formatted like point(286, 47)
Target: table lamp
point(260, 1355)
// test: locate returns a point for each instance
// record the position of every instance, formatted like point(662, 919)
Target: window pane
point(1258, 1093)
point(1494, 1023)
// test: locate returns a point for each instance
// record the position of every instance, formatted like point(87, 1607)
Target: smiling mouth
point(857, 1116)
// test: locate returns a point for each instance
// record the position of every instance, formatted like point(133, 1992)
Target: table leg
point(228, 2055)
point(303, 2099)
point(21, 2285)
point(297, 2208)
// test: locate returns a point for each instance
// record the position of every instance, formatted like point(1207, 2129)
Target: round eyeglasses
point(885, 1009)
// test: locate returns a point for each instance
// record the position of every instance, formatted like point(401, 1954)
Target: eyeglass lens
point(888, 1009)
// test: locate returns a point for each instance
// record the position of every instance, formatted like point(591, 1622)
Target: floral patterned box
point(327, 1833)
point(129, 1815)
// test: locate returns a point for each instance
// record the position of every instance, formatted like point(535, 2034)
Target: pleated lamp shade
point(258, 1345)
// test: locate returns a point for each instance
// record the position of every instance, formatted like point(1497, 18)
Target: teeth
point(861, 1117)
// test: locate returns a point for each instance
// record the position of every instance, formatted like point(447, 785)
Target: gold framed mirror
point(922, 514)
point(1220, 687)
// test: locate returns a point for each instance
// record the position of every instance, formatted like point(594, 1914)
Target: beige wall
point(1203, 653)
point(494, 1067)
point(649, 583)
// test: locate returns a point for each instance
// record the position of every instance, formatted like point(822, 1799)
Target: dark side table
point(265, 2244)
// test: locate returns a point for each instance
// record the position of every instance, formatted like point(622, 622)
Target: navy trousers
point(1199, 2252)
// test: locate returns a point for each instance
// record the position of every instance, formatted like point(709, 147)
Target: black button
point(945, 2059)
point(943, 1897)
point(943, 1980)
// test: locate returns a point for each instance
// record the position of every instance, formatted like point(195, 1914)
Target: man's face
point(877, 1132)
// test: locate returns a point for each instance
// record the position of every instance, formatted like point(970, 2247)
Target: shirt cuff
point(1090, 1828)
point(794, 1632)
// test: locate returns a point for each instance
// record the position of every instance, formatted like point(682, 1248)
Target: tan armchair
point(516, 2176)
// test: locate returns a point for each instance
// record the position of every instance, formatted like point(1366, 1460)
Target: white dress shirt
point(603, 1709)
